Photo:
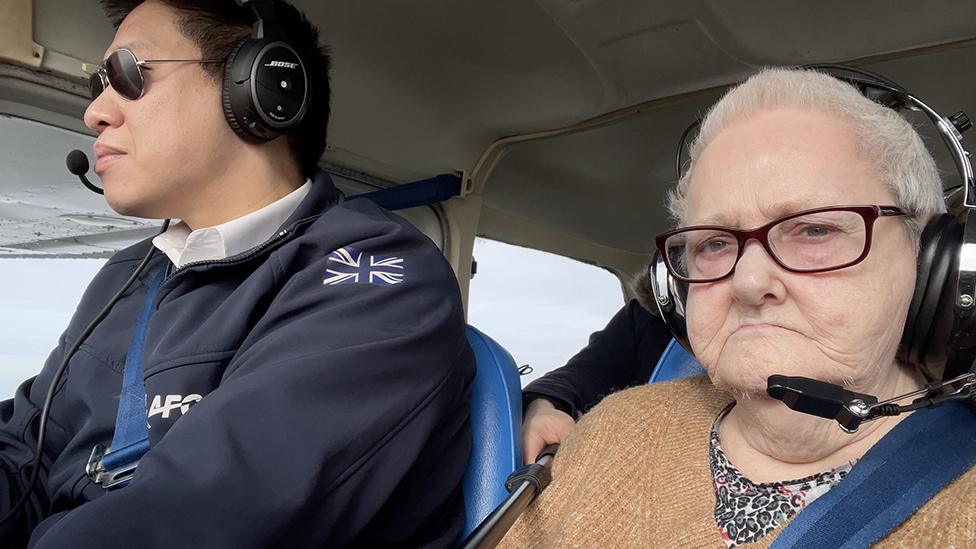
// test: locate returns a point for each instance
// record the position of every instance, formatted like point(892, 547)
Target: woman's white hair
point(884, 138)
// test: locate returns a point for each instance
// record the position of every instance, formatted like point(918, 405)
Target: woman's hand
point(543, 425)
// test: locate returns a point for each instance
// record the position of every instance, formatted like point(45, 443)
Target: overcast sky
point(541, 307)
point(37, 299)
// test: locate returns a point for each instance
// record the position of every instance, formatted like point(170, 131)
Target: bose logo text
point(282, 64)
point(164, 405)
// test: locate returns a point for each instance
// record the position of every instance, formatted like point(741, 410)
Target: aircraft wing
point(44, 210)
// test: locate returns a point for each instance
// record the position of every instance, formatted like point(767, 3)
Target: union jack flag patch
point(351, 266)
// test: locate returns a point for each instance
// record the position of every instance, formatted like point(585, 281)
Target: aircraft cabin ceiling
point(423, 87)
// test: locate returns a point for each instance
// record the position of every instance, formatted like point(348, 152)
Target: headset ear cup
point(253, 105)
point(928, 244)
point(928, 322)
point(227, 88)
point(669, 300)
point(681, 292)
point(944, 278)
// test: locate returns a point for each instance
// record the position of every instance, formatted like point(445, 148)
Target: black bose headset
point(266, 89)
point(941, 322)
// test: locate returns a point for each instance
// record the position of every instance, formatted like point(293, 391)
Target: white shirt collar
point(183, 246)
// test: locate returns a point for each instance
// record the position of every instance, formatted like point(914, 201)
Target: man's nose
point(104, 112)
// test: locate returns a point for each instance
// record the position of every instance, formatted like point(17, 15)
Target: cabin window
point(541, 307)
point(54, 237)
point(38, 298)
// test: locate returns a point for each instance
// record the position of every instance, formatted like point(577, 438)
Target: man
point(294, 399)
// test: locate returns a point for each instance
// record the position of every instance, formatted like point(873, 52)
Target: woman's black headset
point(941, 322)
point(266, 88)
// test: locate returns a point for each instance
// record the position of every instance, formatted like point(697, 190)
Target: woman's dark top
point(622, 354)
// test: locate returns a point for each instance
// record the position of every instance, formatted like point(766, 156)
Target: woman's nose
point(756, 279)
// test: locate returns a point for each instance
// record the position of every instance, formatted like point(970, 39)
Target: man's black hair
point(216, 26)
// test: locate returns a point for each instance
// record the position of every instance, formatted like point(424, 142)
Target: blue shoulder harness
point(912, 463)
point(113, 467)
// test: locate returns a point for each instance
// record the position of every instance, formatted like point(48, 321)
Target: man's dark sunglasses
point(123, 72)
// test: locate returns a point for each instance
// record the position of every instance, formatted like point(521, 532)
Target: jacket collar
point(322, 196)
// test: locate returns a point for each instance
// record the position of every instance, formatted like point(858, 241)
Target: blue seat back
point(675, 363)
point(496, 427)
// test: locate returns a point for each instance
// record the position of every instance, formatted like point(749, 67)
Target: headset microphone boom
point(77, 162)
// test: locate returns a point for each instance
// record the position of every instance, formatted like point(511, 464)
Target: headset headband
point(265, 21)
point(889, 94)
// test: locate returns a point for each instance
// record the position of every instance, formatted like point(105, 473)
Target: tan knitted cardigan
point(635, 473)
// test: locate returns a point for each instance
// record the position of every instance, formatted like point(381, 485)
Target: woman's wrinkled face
point(842, 326)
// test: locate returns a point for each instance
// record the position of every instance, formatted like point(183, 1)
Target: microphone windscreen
point(77, 162)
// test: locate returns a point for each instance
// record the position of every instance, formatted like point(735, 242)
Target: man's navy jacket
point(310, 392)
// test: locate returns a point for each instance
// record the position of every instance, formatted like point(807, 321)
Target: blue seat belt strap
point(912, 463)
point(131, 438)
point(419, 193)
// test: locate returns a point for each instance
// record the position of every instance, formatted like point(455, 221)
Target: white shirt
point(228, 239)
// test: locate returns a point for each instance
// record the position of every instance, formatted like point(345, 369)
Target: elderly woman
point(715, 462)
